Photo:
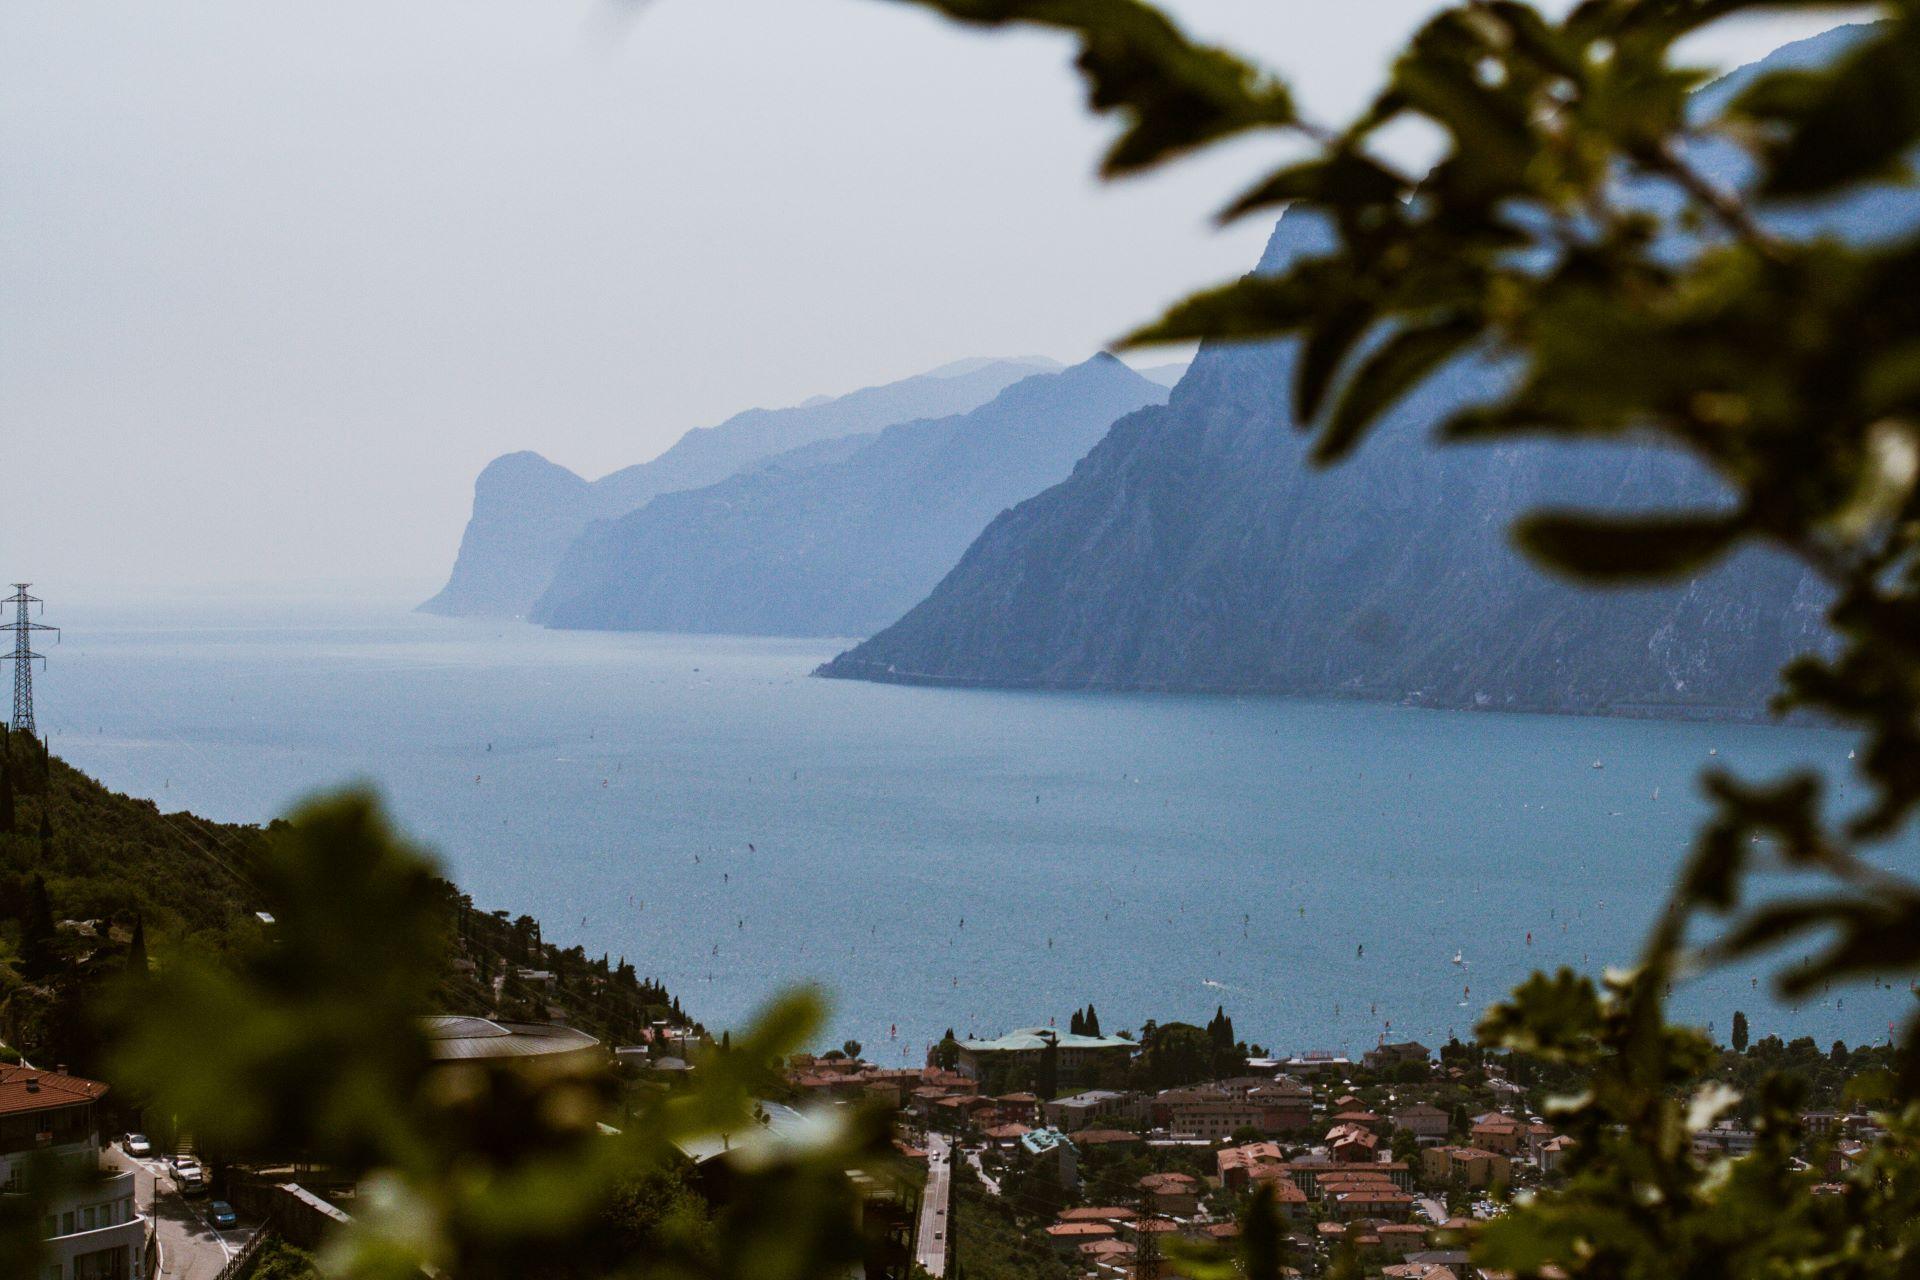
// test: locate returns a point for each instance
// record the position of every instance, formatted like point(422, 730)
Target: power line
point(23, 655)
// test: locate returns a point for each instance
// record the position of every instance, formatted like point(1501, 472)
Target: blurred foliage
point(1567, 232)
point(307, 1045)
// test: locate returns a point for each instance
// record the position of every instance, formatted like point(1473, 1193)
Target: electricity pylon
point(23, 655)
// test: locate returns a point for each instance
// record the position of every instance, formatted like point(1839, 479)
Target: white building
point(93, 1227)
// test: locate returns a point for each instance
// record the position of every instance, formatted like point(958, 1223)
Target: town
point(1075, 1154)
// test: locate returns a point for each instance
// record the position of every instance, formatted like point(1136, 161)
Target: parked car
point(221, 1214)
point(136, 1144)
point(189, 1176)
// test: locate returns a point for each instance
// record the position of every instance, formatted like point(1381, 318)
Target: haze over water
point(731, 826)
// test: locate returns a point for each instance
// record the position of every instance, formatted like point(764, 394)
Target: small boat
point(1458, 959)
point(1598, 765)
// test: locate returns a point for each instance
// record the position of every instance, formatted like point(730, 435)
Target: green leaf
point(1248, 309)
point(1326, 346)
point(1627, 548)
point(1852, 123)
point(1400, 364)
point(1344, 178)
point(1175, 95)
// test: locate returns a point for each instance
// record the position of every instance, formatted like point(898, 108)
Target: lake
point(941, 858)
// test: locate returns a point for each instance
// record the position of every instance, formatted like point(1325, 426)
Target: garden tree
point(946, 1054)
point(851, 1048)
point(1739, 1031)
point(1178, 1053)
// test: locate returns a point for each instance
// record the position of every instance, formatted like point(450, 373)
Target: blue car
point(222, 1215)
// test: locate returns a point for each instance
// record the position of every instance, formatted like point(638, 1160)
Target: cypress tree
point(1740, 1032)
point(1075, 1026)
point(137, 948)
point(36, 929)
point(1092, 1020)
point(46, 834)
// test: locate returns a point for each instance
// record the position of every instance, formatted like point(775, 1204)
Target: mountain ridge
point(528, 510)
point(1195, 550)
point(837, 537)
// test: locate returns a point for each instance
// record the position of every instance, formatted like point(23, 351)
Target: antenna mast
point(23, 655)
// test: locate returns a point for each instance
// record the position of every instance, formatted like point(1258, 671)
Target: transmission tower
point(23, 655)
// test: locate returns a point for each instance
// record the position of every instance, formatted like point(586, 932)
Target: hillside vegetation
point(93, 882)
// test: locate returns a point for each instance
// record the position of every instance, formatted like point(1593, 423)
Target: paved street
point(190, 1249)
point(980, 1172)
point(930, 1247)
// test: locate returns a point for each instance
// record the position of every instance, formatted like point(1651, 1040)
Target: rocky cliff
point(837, 538)
point(1195, 549)
point(527, 511)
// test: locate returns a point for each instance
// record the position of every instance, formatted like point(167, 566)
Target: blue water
point(731, 826)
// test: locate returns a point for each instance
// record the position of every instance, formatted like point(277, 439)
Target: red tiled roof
point(1098, 1137)
point(1168, 1182)
point(1098, 1214)
point(1079, 1230)
point(26, 1089)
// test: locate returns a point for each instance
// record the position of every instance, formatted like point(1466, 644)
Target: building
point(1728, 1136)
point(93, 1229)
point(1422, 1120)
point(1074, 1057)
point(1352, 1144)
point(1469, 1166)
point(1176, 1195)
point(1067, 1237)
point(457, 1038)
point(1214, 1112)
point(1050, 1146)
point(1497, 1131)
point(1375, 1124)
point(1392, 1055)
point(1104, 1107)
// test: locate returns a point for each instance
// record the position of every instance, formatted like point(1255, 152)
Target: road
point(930, 1244)
point(190, 1249)
point(980, 1172)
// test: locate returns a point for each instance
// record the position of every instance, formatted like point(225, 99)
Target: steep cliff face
point(1195, 549)
point(837, 538)
point(527, 511)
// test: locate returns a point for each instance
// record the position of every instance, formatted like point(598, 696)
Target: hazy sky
point(279, 278)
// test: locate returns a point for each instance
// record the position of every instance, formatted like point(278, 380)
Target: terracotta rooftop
point(1100, 1137)
point(25, 1089)
point(1079, 1230)
point(1108, 1213)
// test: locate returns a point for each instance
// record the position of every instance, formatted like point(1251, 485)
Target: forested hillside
point(94, 884)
